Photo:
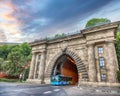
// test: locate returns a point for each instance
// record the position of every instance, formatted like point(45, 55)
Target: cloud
point(110, 11)
point(66, 19)
point(24, 20)
point(8, 23)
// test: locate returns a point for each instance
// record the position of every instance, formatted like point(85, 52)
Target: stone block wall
point(83, 48)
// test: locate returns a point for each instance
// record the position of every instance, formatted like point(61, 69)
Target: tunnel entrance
point(65, 66)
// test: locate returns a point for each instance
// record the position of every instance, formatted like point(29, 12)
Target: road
point(13, 89)
point(25, 89)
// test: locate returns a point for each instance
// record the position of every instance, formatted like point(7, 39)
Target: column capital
point(90, 44)
point(43, 51)
point(33, 53)
point(39, 51)
point(110, 41)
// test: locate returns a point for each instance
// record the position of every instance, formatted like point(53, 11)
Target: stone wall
point(83, 48)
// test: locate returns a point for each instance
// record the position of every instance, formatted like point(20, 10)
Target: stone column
point(91, 61)
point(35, 67)
point(31, 72)
point(42, 66)
point(98, 71)
point(112, 62)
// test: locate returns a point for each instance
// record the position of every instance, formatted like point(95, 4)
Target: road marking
point(56, 90)
point(47, 92)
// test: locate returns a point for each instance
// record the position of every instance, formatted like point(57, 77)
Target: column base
point(47, 80)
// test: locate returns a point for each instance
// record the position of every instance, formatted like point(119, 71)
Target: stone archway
point(82, 46)
point(65, 66)
point(80, 65)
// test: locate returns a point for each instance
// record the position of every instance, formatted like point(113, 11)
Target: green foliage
point(4, 50)
point(6, 65)
point(59, 35)
point(97, 21)
point(118, 45)
point(26, 72)
point(1, 62)
point(118, 75)
point(17, 57)
point(15, 65)
point(25, 49)
point(8, 80)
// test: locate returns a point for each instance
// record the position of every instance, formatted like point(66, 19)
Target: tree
point(16, 61)
point(25, 49)
point(4, 50)
point(118, 75)
point(6, 66)
point(1, 62)
point(117, 45)
point(17, 57)
point(97, 21)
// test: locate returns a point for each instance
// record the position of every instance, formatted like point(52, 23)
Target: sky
point(28, 20)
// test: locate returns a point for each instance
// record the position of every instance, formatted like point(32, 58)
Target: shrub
point(118, 75)
point(8, 80)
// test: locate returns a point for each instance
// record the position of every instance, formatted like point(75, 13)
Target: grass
point(8, 80)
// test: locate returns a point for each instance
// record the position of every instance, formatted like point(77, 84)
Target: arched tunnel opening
point(66, 68)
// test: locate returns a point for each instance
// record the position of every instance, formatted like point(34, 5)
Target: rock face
point(92, 50)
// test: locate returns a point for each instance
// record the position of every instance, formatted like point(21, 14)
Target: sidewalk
point(91, 91)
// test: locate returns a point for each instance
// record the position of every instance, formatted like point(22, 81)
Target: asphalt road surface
point(13, 89)
point(24, 89)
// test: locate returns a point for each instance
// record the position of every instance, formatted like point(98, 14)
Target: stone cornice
point(100, 28)
point(83, 32)
point(66, 38)
point(38, 43)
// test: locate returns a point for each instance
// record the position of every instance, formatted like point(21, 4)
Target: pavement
point(21, 89)
point(92, 91)
point(26, 89)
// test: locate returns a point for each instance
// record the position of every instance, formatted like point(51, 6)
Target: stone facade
point(92, 49)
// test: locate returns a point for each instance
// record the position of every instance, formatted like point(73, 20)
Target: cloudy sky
point(27, 20)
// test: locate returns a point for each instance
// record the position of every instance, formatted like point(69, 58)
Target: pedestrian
point(23, 77)
point(20, 77)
